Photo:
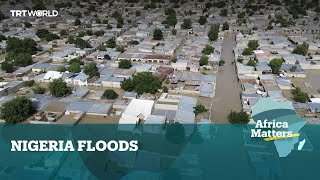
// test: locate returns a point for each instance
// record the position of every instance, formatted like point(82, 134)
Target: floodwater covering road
point(228, 89)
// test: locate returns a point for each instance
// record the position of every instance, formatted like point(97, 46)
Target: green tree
point(125, 64)
point(300, 49)
point(213, 33)
point(299, 95)
point(200, 109)
point(252, 62)
point(174, 32)
point(7, 67)
point(224, 12)
point(17, 110)
point(110, 94)
point(42, 33)
point(144, 82)
point(62, 69)
point(157, 34)
point(109, 26)
point(247, 52)
point(175, 133)
point(225, 26)
point(202, 20)
point(77, 22)
point(91, 70)
point(187, 24)
point(275, 65)
point(165, 89)
point(138, 13)
point(58, 88)
point(63, 33)
point(204, 60)
point(111, 43)
point(39, 90)
point(16, 45)
point(29, 83)
point(22, 59)
point(221, 62)
point(293, 68)
point(238, 117)
point(253, 44)
point(127, 85)
point(74, 68)
point(80, 43)
point(120, 49)
point(208, 50)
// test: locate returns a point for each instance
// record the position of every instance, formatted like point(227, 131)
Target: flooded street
point(228, 89)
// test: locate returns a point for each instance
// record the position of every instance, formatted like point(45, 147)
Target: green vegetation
point(293, 68)
point(202, 20)
point(187, 24)
point(19, 53)
point(253, 44)
point(204, 60)
point(175, 133)
point(120, 49)
point(144, 82)
point(275, 65)
point(174, 32)
point(17, 110)
point(157, 34)
point(80, 43)
point(45, 34)
point(91, 70)
point(62, 69)
point(208, 50)
point(200, 109)
point(111, 43)
point(165, 89)
point(224, 12)
point(247, 52)
point(171, 19)
point(238, 117)
point(299, 95)
point(77, 22)
point(39, 90)
point(221, 62)
point(74, 68)
point(75, 60)
point(252, 62)
point(301, 49)
point(58, 88)
point(110, 94)
point(213, 33)
point(29, 83)
point(174, 59)
point(225, 26)
point(7, 67)
point(125, 64)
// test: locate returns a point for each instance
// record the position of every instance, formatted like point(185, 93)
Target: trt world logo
point(34, 13)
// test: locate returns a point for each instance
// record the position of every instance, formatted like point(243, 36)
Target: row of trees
point(144, 82)
point(19, 53)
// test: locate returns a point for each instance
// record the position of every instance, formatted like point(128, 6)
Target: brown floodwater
point(228, 89)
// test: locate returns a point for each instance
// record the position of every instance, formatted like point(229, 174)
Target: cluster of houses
point(259, 82)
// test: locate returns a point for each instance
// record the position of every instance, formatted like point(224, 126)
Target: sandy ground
point(228, 89)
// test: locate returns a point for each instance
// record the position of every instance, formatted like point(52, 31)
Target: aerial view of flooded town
point(169, 61)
